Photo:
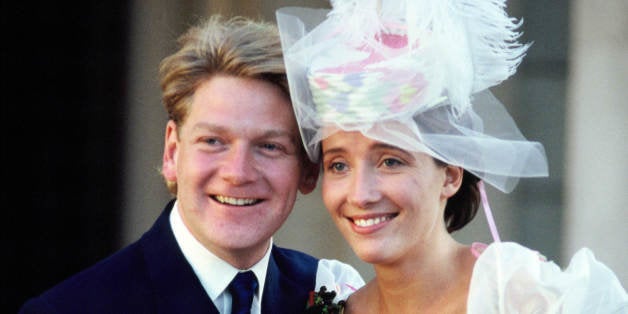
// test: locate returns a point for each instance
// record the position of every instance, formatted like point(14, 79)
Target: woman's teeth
point(371, 221)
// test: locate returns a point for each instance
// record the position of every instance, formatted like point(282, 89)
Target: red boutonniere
point(323, 302)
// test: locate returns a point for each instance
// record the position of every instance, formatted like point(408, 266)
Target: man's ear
point(169, 162)
point(309, 177)
point(453, 180)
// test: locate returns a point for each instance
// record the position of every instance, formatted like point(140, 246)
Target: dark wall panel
point(63, 87)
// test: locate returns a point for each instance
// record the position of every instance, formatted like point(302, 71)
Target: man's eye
point(391, 162)
point(212, 141)
point(275, 149)
point(270, 146)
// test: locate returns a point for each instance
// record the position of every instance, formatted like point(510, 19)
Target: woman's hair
point(237, 47)
point(462, 206)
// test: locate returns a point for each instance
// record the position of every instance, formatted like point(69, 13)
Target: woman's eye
point(337, 167)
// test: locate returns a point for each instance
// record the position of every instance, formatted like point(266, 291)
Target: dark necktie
point(242, 288)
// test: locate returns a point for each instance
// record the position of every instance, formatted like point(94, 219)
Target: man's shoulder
point(114, 282)
point(300, 262)
point(120, 276)
point(299, 274)
point(126, 268)
point(291, 276)
point(291, 254)
point(293, 261)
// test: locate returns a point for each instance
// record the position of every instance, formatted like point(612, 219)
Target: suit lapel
point(178, 290)
point(285, 292)
point(290, 276)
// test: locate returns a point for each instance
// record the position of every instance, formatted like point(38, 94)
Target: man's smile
point(235, 201)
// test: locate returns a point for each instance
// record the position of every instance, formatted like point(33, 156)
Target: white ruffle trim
point(510, 278)
point(339, 277)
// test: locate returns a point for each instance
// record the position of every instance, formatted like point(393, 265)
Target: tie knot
point(242, 289)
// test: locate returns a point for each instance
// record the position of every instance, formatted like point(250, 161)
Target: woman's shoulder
point(515, 277)
point(362, 300)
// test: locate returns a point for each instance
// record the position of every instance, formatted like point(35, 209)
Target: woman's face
point(386, 201)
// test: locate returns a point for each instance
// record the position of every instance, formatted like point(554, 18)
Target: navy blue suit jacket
point(152, 276)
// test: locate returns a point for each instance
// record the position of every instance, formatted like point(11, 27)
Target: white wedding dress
point(510, 278)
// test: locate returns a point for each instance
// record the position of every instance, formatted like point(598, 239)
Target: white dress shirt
point(215, 274)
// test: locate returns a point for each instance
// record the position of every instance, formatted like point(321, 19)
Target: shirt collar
point(214, 273)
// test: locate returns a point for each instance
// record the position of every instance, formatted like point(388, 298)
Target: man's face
point(237, 165)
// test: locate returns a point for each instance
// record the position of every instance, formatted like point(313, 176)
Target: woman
point(393, 97)
point(389, 205)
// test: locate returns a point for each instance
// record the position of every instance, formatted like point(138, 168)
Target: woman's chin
point(372, 254)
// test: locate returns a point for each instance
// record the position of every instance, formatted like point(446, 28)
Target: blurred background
point(83, 129)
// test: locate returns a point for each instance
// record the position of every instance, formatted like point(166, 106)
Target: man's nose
point(238, 167)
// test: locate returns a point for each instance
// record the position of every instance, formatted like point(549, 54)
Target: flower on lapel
point(323, 302)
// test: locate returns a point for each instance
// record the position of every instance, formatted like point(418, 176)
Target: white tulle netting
point(415, 74)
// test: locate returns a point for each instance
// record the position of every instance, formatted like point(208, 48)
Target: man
point(233, 159)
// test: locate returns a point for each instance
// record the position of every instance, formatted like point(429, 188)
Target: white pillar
point(596, 185)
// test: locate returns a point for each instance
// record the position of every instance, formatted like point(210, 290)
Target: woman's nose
point(364, 188)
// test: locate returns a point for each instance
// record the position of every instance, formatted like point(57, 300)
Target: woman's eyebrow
point(334, 150)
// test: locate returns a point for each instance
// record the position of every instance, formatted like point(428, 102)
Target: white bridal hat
point(412, 73)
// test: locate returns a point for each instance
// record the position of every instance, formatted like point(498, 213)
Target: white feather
point(472, 43)
point(493, 41)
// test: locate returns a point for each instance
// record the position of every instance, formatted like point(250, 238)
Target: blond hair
point(238, 46)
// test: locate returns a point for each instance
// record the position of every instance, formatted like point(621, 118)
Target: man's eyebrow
point(270, 133)
point(209, 127)
point(277, 133)
point(273, 133)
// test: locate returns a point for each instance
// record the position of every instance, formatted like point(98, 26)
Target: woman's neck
point(433, 279)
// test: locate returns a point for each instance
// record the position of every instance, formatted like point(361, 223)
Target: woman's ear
point(453, 180)
point(169, 162)
point(309, 177)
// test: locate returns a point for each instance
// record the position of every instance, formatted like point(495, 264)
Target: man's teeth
point(371, 221)
point(235, 201)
